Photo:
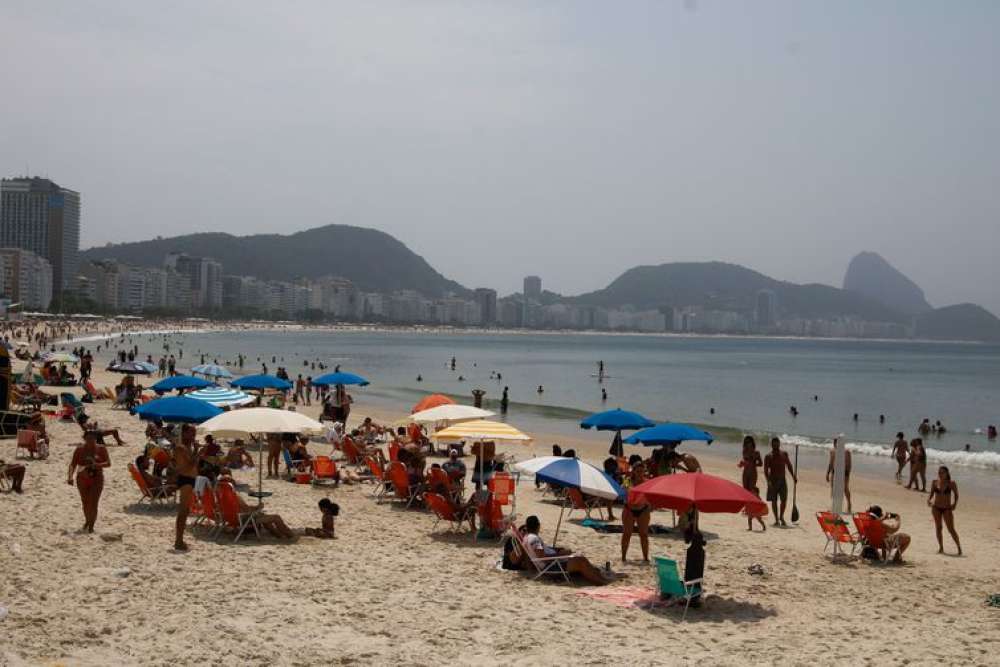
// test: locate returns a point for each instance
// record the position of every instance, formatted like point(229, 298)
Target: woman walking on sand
point(943, 500)
point(750, 461)
point(88, 462)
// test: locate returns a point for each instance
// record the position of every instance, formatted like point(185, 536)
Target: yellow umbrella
point(482, 430)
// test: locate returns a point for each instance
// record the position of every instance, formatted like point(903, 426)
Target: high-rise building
point(487, 300)
point(533, 288)
point(38, 215)
point(205, 275)
point(25, 278)
point(765, 312)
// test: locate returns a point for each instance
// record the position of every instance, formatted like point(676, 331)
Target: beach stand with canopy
point(180, 382)
point(177, 409)
point(431, 401)
point(253, 422)
point(617, 420)
point(340, 378)
point(575, 473)
point(222, 397)
point(212, 371)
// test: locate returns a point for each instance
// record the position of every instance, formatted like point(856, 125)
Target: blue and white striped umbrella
point(212, 371)
point(573, 472)
point(222, 397)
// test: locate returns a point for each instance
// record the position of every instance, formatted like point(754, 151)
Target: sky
point(572, 140)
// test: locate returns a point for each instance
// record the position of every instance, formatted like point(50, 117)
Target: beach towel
point(625, 596)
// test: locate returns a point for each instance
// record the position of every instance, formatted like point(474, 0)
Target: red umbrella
point(706, 492)
point(432, 401)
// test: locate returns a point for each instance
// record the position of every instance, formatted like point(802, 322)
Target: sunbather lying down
point(574, 563)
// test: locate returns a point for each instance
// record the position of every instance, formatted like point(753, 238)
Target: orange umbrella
point(432, 401)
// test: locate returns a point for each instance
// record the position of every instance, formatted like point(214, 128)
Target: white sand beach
point(390, 589)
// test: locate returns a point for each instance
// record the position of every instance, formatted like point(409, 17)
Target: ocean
point(749, 383)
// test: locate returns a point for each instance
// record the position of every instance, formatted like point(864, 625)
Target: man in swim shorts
point(775, 465)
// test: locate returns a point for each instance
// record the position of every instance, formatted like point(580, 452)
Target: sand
point(389, 589)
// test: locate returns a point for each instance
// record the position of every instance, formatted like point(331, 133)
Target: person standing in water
point(899, 452)
point(504, 401)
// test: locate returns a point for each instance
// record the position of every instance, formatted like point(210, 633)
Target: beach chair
point(29, 441)
point(544, 565)
point(444, 510)
point(439, 482)
point(383, 484)
point(352, 453)
point(229, 511)
point(294, 468)
point(575, 500)
point(324, 471)
point(836, 530)
point(208, 511)
point(670, 583)
point(872, 533)
point(6, 484)
point(152, 496)
point(401, 483)
point(72, 407)
point(394, 451)
point(92, 391)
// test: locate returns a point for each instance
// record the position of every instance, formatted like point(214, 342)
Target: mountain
point(869, 274)
point(372, 260)
point(964, 321)
point(724, 286)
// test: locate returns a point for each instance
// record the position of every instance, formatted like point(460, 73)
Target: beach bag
point(869, 553)
point(509, 559)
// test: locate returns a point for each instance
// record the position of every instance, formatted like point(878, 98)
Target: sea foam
point(984, 460)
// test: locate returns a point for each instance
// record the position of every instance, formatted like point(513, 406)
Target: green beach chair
point(670, 583)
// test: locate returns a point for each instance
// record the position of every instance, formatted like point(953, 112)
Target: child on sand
point(330, 511)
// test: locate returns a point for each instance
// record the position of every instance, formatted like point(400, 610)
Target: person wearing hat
point(455, 467)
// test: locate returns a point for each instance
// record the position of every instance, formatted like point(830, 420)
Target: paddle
point(795, 487)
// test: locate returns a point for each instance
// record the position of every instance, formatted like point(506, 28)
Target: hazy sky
point(572, 140)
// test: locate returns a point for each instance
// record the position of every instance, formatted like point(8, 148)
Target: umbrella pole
point(558, 525)
point(260, 473)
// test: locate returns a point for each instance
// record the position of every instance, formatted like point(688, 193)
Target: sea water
point(728, 385)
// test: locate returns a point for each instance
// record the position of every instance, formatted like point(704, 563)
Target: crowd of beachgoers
point(152, 485)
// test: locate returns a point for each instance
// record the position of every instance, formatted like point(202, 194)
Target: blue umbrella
point(212, 370)
point(178, 409)
point(668, 434)
point(180, 382)
point(616, 420)
point(340, 378)
point(261, 382)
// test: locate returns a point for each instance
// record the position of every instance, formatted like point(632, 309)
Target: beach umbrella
point(261, 382)
point(222, 397)
point(131, 367)
point(617, 420)
point(340, 378)
point(212, 371)
point(61, 358)
point(450, 413)
point(707, 493)
point(481, 430)
point(181, 382)
point(668, 434)
point(572, 472)
point(177, 409)
point(252, 422)
point(432, 401)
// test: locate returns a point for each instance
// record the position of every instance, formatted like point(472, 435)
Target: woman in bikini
point(636, 514)
point(899, 452)
point(918, 465)
point(750, 461)
point(942, 500)
point(88, 462)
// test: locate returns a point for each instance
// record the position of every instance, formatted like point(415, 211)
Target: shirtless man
point(900, 451)
point(186, 464)
point(775, 465)
point(681, 462)
point(847, 473)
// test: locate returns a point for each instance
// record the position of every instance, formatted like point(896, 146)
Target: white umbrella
point(449, 413)
point(249, 422)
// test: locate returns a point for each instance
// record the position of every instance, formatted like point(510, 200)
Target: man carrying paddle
point(775, 465)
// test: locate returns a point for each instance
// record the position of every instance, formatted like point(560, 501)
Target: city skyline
point(581, 139)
